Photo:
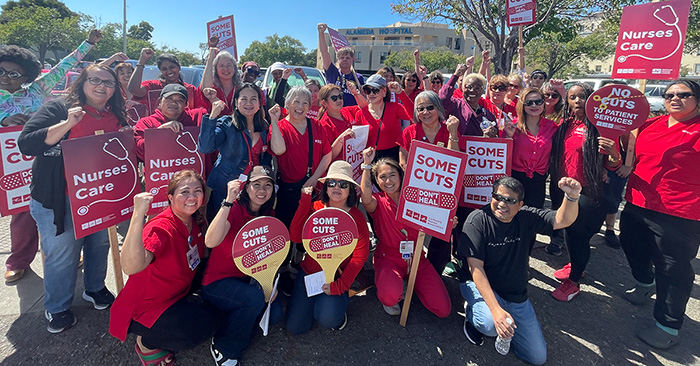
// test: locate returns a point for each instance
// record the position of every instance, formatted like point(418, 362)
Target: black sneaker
point(60, 321)
point(100, 300)
point(219, 357)
point(553, 249)
point(473, 335)
point(342, 326)
point(611, 239)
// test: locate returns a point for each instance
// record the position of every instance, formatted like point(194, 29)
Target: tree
point(275, 48)
point(112, 43)
point(435, 59)
point(142, 31)
point(186, 58)
point(60, 7)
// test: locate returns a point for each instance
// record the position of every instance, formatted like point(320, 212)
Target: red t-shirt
point(313, 111)
point(153, 89)
point(666, 171)
point(531, 152)
point(352, 265)
point(227, 99)
point(188, 118)
point(388, 231)
point(497, 111)
point(390, 125)
point(572, 164)
point(294, 162)
point(416, 132)
point(338, 126)
point(164, 281)
point(94, 121)
point(458, 93)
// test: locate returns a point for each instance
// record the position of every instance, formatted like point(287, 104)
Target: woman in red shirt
point(328, 308)
point(390, 269)
point(221, 74)
point(161, 259)
point(660, 224)
point(224, 286)
point(338, 120)
point(576, 153)
point(532, 143)
point(410, 84)
point(495, 100)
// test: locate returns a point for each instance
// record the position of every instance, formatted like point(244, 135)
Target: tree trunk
point(42, 53)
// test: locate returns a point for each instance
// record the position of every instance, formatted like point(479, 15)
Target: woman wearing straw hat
point(329, 307)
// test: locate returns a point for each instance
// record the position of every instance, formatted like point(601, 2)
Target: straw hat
point(339, 170)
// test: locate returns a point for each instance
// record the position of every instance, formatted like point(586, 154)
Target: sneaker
point(658, 338)
point(392, 310)
point(553, 249)
point(473, 335)
point(60, 321)
point(611, 239)
point(219, 357)
point(564, 273)
point(100, 300)
point(566, 291)
point(640, 295)
point(345, 322)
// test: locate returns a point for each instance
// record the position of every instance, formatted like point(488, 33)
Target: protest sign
point(259, 249)
point(650, 40)
point(166, 153)
point(431, 189)
point(520, 12)
point(329, 236)
point(617, 109)
point(101, 180)
point(224, 29)
point(338, 40)
point(487, 160)
point(16, 174)
point(352, 152)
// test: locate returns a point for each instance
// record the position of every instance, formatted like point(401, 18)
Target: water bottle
point(503, 344)
point(486, 123)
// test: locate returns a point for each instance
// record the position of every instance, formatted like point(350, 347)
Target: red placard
point(16, 173)
point(101, 179)
point(259, 249)
point(430, 192)
point(338, 40)
point(487, 160)
point(520, 12)
point(166, 153)
point(330, 236)
point(617, 109)
point(650, 41)
point(225, 30)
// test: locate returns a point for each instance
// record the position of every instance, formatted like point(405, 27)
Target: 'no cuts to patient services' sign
point(430, 190)
point(487, 160)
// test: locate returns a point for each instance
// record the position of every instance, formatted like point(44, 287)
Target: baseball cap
point(260, 172)
point(171, 89)
point(376, 81)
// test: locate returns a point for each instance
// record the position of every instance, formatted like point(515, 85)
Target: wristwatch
point(226, 204)
point(366, 166)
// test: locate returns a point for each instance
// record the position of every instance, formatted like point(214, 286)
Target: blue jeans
point(328, 311)
point(61, 257)
point(528, 342)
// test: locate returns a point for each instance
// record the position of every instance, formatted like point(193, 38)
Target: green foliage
point(186, 58)
point(59, 6)
point(112, 43)
point(141, 31)
point(275, 48)
point(434, 59)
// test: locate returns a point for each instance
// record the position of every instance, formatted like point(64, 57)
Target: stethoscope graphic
point(670, 24)
point(83, 210)
point(190, 141)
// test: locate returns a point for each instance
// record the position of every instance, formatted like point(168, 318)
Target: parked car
point(132, 62)
point(653, 93)
point(295, 79)
point(595, 83)
point(62, 87)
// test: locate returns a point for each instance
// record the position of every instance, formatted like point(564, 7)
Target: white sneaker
point(392, 310)
point(219, 357)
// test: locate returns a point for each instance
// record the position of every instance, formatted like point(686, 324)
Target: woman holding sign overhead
point(393, 254)
point(328, 308)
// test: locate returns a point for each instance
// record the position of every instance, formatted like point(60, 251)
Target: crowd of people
point(277, 152)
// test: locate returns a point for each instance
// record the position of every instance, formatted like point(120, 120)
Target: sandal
point(157, 357)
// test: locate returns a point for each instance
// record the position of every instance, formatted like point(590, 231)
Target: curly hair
point(22, 57)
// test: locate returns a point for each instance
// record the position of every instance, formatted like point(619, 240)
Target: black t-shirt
point(504, 247)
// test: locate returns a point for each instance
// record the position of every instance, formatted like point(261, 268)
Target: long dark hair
point(239, 120)
point(266, 207)
point(177, 179)
point(76, 96)
point(323, 94)
point(170, 58)
point(410, 74)
point(351, 201)
point(520, 108)
point(592, 158)
point(390, 162)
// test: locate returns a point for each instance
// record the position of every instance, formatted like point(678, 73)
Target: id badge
point(193, 257)
point(406, 249)
point(23, 101)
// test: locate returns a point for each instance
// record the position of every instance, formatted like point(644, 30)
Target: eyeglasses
point(436, 81)
point(681, 95)
point(552, 96)
point(14, 74)
point(412, 80)
point(335, 98)
point(370, 90)
point(514, 86)
point(474, 87)
point(98, 81)
point(251, 70)
point(530, 103)
point(340, 183)
point(537, 77)
point(499, 87)
point(508, 200)
point(429, 107)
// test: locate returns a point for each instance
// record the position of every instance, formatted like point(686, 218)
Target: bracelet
point(571, 199)
point(454, 140)
point(88, 42)
point(137, 65)
point(226, 204)
point(366, 166)
point(613, 160)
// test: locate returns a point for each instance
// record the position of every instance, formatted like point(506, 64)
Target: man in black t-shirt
point(496, 242)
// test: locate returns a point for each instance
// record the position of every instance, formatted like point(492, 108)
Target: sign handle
point(116, 259)
point(520, 36)
point(417, 254)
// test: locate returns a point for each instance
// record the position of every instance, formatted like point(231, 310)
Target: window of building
point(383, 56)
point(358, 56)
point(458, 43)
point(407, 41)
point(448, 42)
point(598, 68)
point(388, 41)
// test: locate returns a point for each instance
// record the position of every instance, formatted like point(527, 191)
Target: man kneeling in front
point(495, 243)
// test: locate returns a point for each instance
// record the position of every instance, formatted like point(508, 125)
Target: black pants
point(184, 325)
point(288, 196)
point(440, 251)
point(534, 188)
point(669, 243)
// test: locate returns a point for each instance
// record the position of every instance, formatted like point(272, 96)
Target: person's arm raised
point(323, 46)
point(135, 87)
point(208, 74)
point(134, 256)
point(568, 211)
point(220, 226)
point(368, 200)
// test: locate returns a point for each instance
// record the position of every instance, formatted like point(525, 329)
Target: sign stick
point(116, 259)
point(417, 254)
point(520, 36)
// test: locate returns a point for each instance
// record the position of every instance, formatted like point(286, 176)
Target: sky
point(182, 24)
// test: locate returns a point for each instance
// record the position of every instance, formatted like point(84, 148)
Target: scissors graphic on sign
point(674, 24)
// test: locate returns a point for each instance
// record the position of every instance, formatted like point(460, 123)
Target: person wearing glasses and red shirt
point(660, 225)
point(495, 100)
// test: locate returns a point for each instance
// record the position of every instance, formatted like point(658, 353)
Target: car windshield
point(295, 79)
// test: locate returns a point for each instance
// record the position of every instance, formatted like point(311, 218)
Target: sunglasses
point(98, 81)
point(514, 86)
point(436, 81)
point(537, 77)
point(498, 87)
point(252, 71)
point(681, 95)
point(340, 183)
point(10, 74)
point(508, 200)
point(370, 90)
point(552, 96)
point(335, 98)
point(429, 108)
point(530, 103)
point(412, 80)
